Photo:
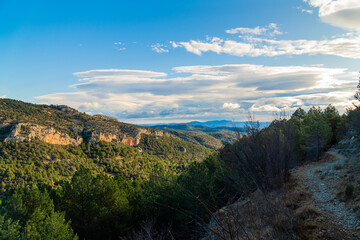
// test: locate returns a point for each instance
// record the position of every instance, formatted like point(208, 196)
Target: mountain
point(48, 143)
point(98, 178)
point(63, 125)
point(215, 123)
point(213, 137)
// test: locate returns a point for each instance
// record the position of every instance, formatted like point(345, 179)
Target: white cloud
point(119, 46)
point(272, 29)
point(340, 13)
point(119, 74)
point(206, 91)
point(344, 46)
point(159, 48)
point(231, 106)
point(309, 11)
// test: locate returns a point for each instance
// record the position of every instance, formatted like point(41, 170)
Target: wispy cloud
point(272, 29)
point(159, 48)
point(345, 46)
point(309, 11)
point(120, 46)
point(206, 91)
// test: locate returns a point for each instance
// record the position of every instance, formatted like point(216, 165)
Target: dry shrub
point(328, 157)
point(338, 166)
point(294, 197)
point(306, 212)
point(306, 225)
point(260, 217)
point(147, 231)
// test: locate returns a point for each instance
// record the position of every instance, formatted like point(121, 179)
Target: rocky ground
point(322, 182)
point(321, 201)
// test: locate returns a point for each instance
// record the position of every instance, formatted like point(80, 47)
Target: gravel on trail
point(319, 179)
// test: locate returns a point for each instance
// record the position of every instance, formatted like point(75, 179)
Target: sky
point(156, 61)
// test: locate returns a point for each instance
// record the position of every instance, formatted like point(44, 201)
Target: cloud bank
point(259, 41)
point(340, 13)
point(206, 92)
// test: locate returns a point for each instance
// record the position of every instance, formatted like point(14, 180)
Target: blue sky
point(175, 61)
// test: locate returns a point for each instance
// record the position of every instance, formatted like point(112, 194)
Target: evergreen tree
point(317, 132)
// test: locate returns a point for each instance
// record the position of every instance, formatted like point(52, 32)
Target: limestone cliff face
point(63, 125)
point(100, 136)
point(19, 132)
point(130, 141)
point(27, 131)
point(133, 138)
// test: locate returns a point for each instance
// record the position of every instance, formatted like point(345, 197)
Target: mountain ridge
point(212, 123)
point(61, 124)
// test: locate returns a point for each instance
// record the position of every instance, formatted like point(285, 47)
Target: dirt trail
point(320, 179)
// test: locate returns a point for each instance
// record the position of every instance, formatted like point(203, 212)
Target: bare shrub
point(294, 198)
point(305, 212)
point(261, 216)
point(148, 231)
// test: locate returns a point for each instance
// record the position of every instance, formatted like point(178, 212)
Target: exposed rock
point(130, 141)
point(18, 132)
point(133, 137)
point(100, 136)
point(61, 124)
point(27, 131)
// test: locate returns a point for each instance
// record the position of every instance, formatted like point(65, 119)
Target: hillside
point(64, 125)
point(213, 137)
point(93, 177)
point(47, 144)
point(213, 124)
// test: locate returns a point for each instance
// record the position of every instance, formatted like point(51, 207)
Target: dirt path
point(319, 180)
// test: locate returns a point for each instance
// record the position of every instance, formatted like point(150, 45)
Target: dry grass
point(294, 198)
point(328, 157)
point(306, 212)
point(260, 217)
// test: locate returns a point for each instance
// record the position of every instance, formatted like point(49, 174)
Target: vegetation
point(164, 187)
point(64, 119)
point(213, 137)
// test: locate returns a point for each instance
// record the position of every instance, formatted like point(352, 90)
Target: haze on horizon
point(176, 61)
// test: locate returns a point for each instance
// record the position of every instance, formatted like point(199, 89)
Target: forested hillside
point(160, 188)
point(63, 125)
point(42, 147)
point(213, 137)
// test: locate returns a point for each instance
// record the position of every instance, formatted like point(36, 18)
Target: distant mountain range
point(212, 134)
point(212, 137)
point(214, 123)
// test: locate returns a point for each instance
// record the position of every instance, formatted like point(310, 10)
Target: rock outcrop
point(63, 125)
point(18, 132)
point(97, 136)
point(27, 131)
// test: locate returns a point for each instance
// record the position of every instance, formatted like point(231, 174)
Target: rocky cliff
point(18, 132)
point(27, 131)
point(63, 125)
